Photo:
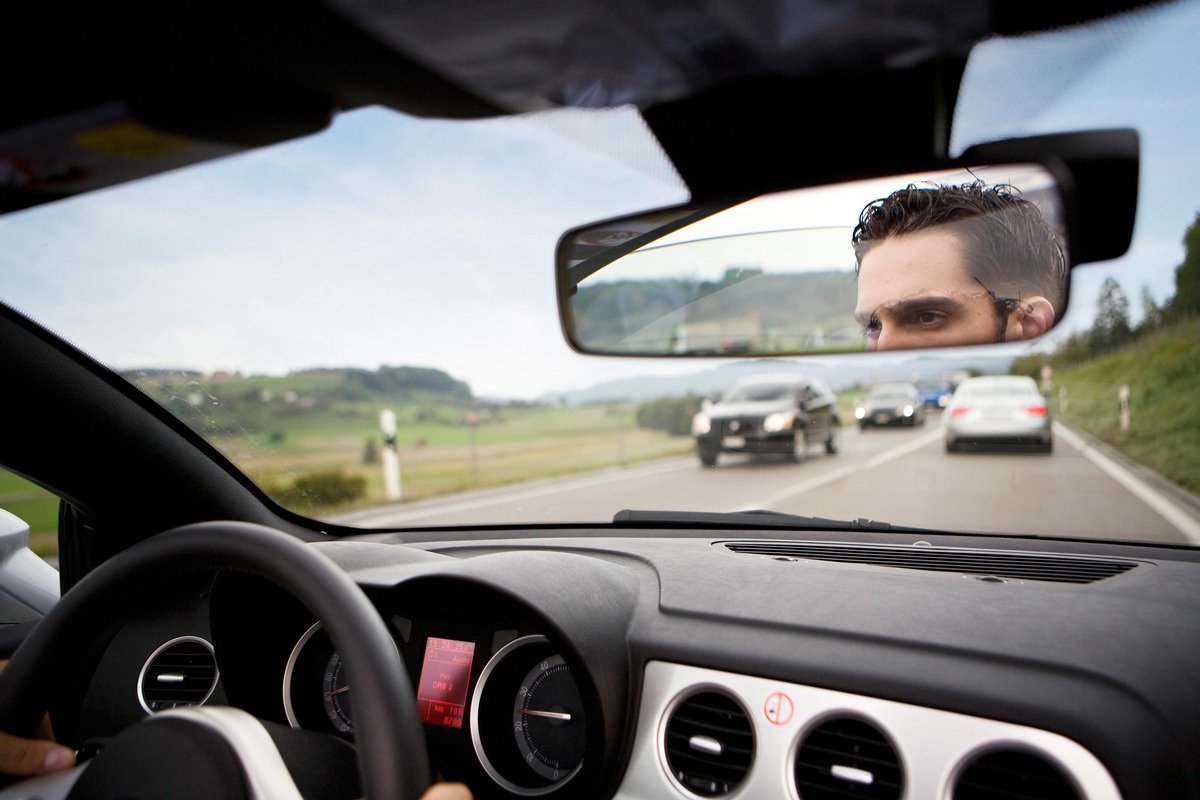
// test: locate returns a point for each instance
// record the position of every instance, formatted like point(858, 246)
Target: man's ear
point(1033, 317)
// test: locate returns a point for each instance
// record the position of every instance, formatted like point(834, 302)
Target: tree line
point(1112, 329)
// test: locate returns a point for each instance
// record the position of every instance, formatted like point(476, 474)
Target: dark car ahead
point(780, 414)
point(891, 404)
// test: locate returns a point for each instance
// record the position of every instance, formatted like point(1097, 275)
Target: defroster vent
point(999, 563)
point(709, 744)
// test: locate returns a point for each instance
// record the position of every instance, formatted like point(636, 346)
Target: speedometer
point(335, 694)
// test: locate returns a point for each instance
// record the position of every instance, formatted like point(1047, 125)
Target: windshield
point(364, 322)
point(760, 392)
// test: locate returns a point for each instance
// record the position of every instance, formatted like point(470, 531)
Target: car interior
point(207, 636)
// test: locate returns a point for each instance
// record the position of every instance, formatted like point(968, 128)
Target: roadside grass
point(440, 453)
point(513, 445)
point(1162, 371)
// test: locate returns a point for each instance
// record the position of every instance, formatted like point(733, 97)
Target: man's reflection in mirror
point(952, 265)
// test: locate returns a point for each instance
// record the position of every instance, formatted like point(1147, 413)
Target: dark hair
point(1011, 249)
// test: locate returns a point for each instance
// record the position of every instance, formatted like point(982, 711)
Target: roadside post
point(391, 455)
point(472, 420)
point(1123, 399)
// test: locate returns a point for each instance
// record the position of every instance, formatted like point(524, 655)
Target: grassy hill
point(1162, 371)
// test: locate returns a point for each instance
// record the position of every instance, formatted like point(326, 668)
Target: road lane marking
point(1183, 522)
point(845, 472)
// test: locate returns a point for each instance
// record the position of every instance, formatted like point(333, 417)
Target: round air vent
point(181, 672)
point(709, 744)
point(848, 757)
point(1013, 774)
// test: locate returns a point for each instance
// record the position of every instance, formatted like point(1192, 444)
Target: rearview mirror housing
point(893, 262)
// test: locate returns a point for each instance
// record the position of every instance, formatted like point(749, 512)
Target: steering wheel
point(389, 734)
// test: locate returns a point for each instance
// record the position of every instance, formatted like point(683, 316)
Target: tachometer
point(527, 718)
point(548, 719)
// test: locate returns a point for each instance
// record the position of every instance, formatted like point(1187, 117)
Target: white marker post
point(391, 456)
point(1123, 399)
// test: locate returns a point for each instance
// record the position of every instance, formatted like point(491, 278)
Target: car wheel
point(951, 447)
point(834, 442)
point(708, 456)
point(390, 733)
point(800, 448)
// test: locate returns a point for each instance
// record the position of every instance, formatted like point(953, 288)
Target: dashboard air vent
point(709, 744)
point(1013, 775)
point(1015, 565)
point(847, 757)
point(182, 672)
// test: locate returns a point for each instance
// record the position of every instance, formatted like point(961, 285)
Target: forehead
point(904, 267)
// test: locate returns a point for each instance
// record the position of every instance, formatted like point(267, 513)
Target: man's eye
point(872, 328)
point(929, 318)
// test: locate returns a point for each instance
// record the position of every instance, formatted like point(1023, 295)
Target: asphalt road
point(899, 475)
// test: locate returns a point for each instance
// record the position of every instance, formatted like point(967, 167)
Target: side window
point(37, 507)
point(29, 582)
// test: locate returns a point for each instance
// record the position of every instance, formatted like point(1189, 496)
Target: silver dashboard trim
point(146, 665)
point(933, 745)
point(288, 671)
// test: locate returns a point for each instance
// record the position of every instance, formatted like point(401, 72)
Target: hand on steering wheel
point(390, 741)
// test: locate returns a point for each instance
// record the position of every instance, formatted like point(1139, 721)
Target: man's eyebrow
point(929, 302)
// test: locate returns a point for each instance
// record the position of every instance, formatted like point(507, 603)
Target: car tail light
point(1035, 411)
point(959, 411)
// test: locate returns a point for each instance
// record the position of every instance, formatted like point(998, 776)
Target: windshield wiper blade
point(754, 519)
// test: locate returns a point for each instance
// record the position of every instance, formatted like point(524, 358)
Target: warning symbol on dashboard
point(778, 708)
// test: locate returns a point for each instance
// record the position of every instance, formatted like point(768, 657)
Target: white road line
point(1183, 522)
point(844, 472)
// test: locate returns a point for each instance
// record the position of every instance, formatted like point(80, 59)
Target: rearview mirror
point(963, 256)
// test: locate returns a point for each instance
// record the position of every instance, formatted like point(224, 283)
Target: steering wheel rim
point(390, 731)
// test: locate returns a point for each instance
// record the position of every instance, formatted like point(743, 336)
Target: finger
point(32, 756)
point(447, 791)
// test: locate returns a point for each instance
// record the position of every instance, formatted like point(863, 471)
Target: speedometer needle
point(337, 691)
point(547, 714)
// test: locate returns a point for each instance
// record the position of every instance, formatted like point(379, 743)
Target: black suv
point(769, 414)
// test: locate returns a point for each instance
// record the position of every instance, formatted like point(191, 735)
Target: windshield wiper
point(754, 519)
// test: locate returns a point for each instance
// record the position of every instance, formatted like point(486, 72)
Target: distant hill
point(839, 374)
point(786, 309)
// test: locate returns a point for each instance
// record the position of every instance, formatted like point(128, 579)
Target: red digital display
point(445, 673)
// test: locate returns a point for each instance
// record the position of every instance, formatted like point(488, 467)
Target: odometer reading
point(445, 674)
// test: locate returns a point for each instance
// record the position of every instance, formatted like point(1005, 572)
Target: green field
point(437, 457)
point(445, 445)
point(36, 506)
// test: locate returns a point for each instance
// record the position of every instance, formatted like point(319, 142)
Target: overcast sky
point(391, 240)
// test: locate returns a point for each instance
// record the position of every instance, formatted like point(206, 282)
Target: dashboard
point(686, 666)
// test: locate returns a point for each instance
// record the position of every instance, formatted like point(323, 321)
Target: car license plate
point(734, 441)
point(883, 418)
